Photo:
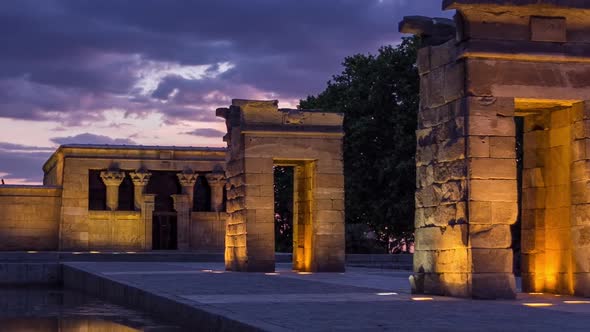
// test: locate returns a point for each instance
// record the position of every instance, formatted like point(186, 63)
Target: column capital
point(140, 178)
point(215, 178)
point(187, 179)
point(112, 177)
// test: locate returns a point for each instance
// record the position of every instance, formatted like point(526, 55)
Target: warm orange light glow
point(422, 299)
point(535, 293)
point(576, 302)
point(387, 294)
point(304, 272)
point(94, 252)
point(537, 304)
point(130, 252)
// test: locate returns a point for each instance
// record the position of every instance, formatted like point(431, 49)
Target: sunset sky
point(153, 72)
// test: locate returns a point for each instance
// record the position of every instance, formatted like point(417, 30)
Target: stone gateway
point(508, 59)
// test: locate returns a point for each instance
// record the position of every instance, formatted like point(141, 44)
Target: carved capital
point(140, 178)
point(215, 178)
point(112, 177)
point(187, 179)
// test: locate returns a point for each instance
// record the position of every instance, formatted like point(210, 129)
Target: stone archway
point(260, 136)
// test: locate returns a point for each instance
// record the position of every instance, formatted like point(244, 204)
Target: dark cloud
point(6, 146)
point(206, 132)
point(20, 161)
point(69, 60)
point(88, 138)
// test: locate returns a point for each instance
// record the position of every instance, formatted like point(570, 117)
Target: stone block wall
point(207, 231)
point(466, 197)
point(29, 217)
point(580, 198)
point(115, 230)
point(441, 257)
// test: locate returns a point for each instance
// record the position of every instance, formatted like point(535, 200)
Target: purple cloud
point(206, 132)
point(88, 138)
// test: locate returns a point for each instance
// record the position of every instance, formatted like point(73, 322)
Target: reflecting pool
point(53, 310)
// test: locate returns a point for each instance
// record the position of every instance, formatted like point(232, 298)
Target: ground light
point(272, 274)
point(576, 302)
point(537, 304)
point(386, 294)
point(422, 299)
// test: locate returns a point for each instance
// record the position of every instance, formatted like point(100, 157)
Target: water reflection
point(61, 325)
point(49, 310)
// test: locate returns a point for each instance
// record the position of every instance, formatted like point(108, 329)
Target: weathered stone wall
point(207, 231)
point(29, 217)
point(580, 198)
point(260, 136)
point(115, 230)
point(441, 258)
point(523, 58)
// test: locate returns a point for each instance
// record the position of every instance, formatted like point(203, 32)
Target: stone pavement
point(360, 299)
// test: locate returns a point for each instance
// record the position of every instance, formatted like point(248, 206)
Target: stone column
point(216, 181)
point(182, 207)
point(187, 181)
point(112, 179)
point(147, 210)
point(140, 180)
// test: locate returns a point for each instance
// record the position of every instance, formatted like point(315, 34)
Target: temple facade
point(101, 197)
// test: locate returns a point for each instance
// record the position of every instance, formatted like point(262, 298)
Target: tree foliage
point(379, 95)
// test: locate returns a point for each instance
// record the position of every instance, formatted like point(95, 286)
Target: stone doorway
point(164, 185)
point(302, 206)
point(164, 232)
point(547, 200)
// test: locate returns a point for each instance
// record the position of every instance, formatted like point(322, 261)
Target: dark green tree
point(379, 95)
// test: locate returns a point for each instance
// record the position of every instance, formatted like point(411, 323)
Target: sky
point(152, 72)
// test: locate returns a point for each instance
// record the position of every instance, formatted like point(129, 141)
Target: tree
point(379, 96)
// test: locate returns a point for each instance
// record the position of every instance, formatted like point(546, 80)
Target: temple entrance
point(164, 233)
point(283, 208)
point(164, 184)
point(294, 211)
point(546, 201)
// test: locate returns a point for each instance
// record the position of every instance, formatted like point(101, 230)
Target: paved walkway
point(360, 299)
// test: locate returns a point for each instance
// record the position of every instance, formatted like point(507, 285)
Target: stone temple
point(142, 198)
point(504, 71)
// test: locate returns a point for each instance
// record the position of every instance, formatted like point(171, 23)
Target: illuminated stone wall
point(29, 217)
point(207, 232)
point(259, 137)
point(82, 229)
point(507, 59)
